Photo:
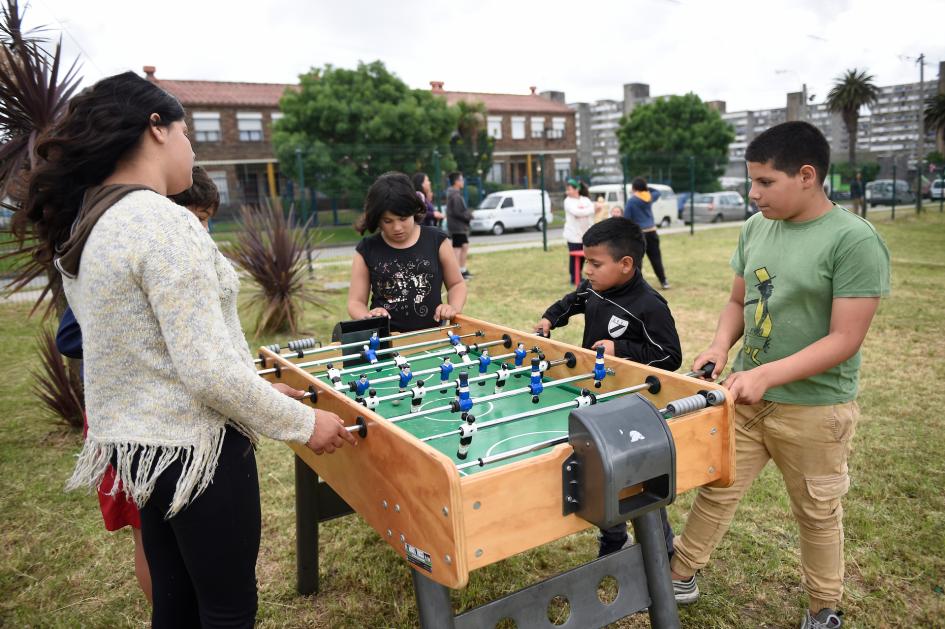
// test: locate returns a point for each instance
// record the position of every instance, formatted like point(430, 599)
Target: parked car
point(715, 207)
point(511, 209)
point(937, 189)
point(664, 210)
point(880, 192)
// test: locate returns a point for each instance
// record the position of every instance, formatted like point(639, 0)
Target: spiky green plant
point(58, 387)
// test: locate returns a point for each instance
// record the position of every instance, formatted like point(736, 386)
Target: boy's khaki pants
point(810, 445)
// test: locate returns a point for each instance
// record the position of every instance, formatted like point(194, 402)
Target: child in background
point(622, 313)
point(404, 265)
point(578, 216)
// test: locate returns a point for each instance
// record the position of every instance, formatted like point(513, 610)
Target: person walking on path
point(639, 209)
point(458, 217)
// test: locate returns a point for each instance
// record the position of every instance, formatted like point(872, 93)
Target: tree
point(34, 92)
point(935, 119)
point(353, 125)
point(662, 136)
point(471, 145)
point(849, 93)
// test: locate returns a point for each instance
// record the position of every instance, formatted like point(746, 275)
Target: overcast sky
point(748, 53)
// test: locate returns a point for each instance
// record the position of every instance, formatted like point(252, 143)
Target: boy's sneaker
point(467, 275)
point(824, 619)
point(686, 591)
point(665, 285)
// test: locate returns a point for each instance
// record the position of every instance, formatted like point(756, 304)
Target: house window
point(219, 180)
point(276, 116)
point(562, 168)
point(495, 173)
point(518, 127)
point(206, 126)
point(494, 127)
point(557, 128)
point(250, 126)
point(538, 127)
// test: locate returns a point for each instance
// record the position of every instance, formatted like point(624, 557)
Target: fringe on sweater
point(199, 463)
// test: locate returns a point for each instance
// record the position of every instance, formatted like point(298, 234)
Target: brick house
point(231, 130)
point(525, 127)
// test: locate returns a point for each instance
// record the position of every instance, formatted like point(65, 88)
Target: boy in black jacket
point(622, 313)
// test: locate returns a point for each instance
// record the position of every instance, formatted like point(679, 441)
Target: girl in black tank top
point(404, 265)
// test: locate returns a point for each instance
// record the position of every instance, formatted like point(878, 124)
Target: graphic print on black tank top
point(405, 282)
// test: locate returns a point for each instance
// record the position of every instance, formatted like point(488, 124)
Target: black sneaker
point(665, 285)
point(467, 275)
point(824, 619)
point(686, 591)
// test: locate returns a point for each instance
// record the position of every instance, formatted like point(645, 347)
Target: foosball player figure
point(520, 354)
point(484, 361)
point(361, 385)
point(369, 355)
point(417, 393)
point(371, 400)
point(446, 368)
point(374, 342)
point(600, 372)
point(405, 377)
point(453, 339)
point(501, 376)
point(335, 376)
point(463, 400)
point(399, 361)
point(536, 386)
point(623, 315)
point(466, 432)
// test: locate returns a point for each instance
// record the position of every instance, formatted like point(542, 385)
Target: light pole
point(301, 178)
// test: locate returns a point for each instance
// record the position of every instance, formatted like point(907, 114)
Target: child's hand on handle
point(329, 434)
point(711, 355)
point(543, 327)
point(747, 387)
point(608, 347)
point(444, 312)
point(377, 312)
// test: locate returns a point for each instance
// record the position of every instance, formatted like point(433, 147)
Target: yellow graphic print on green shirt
point(758, 337)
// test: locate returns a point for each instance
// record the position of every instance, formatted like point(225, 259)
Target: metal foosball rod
point(380, 352)
point(455, 383)
point(298, 346)
point(497, 396)
point(424, 372)
point(684, 406)
point(585, 399)
point(303, 344)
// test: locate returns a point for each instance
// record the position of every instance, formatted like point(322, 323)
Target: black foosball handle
point(705, 371)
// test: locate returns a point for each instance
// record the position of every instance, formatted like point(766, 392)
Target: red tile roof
point(526, 103)
point(225, 93)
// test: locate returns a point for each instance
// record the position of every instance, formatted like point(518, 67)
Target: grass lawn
point(59, 567)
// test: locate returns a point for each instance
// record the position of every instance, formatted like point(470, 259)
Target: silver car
point(715, 207)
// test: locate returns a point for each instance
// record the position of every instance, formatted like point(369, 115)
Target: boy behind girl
point(808, 279)
point(624, 314)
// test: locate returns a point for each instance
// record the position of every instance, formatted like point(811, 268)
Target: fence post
point(918, 183)
point(541, 186)
point(625, 166)
point(894, 192)
point(692, 195)
point(301, 177)
point(941, 187)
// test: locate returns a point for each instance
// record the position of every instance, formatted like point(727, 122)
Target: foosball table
point(478, 442)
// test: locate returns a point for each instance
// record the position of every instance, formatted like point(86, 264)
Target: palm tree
point(935, 119)
point(850, 92)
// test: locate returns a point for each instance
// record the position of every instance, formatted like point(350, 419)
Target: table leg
point(648, 529)
point(433, 603)
point(306, 528)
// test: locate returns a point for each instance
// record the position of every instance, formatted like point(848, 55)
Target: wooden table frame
point(413, 495)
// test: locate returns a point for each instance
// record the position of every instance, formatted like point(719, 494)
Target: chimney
point(149, 73)
point(436, 87)
point(534, 89)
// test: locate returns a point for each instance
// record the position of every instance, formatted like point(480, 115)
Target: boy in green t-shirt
point(808, 279)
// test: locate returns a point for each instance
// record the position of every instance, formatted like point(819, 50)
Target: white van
point(664, 210)
point(510, 209)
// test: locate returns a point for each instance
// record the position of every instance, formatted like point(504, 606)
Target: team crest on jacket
point(617, 326)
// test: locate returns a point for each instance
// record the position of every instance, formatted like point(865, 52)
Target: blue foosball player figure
point(453, 338)
point(361, 385)
point(536, 386)
point(370, 355)
point(484, 361)
point(600, 372)
point(446, 368)
point(520, 353)
point(374, 342)
point(405, 377)
point(463, 400)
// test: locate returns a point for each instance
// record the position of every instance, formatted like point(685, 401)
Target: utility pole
point(921, 144)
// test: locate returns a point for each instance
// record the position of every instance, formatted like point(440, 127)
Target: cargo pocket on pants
point(826, 491)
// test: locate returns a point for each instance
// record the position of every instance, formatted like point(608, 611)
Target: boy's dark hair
point(790, 145)
point(620, 235)
point(417, 179)
point(638, 184)
point(202, 195)
point(391, 192)
point(453, 176)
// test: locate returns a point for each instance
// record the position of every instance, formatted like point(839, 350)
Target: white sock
point(462, 269)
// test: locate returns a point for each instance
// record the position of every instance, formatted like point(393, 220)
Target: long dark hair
point(417, 178)
point(391, 192)
point(102, 125)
